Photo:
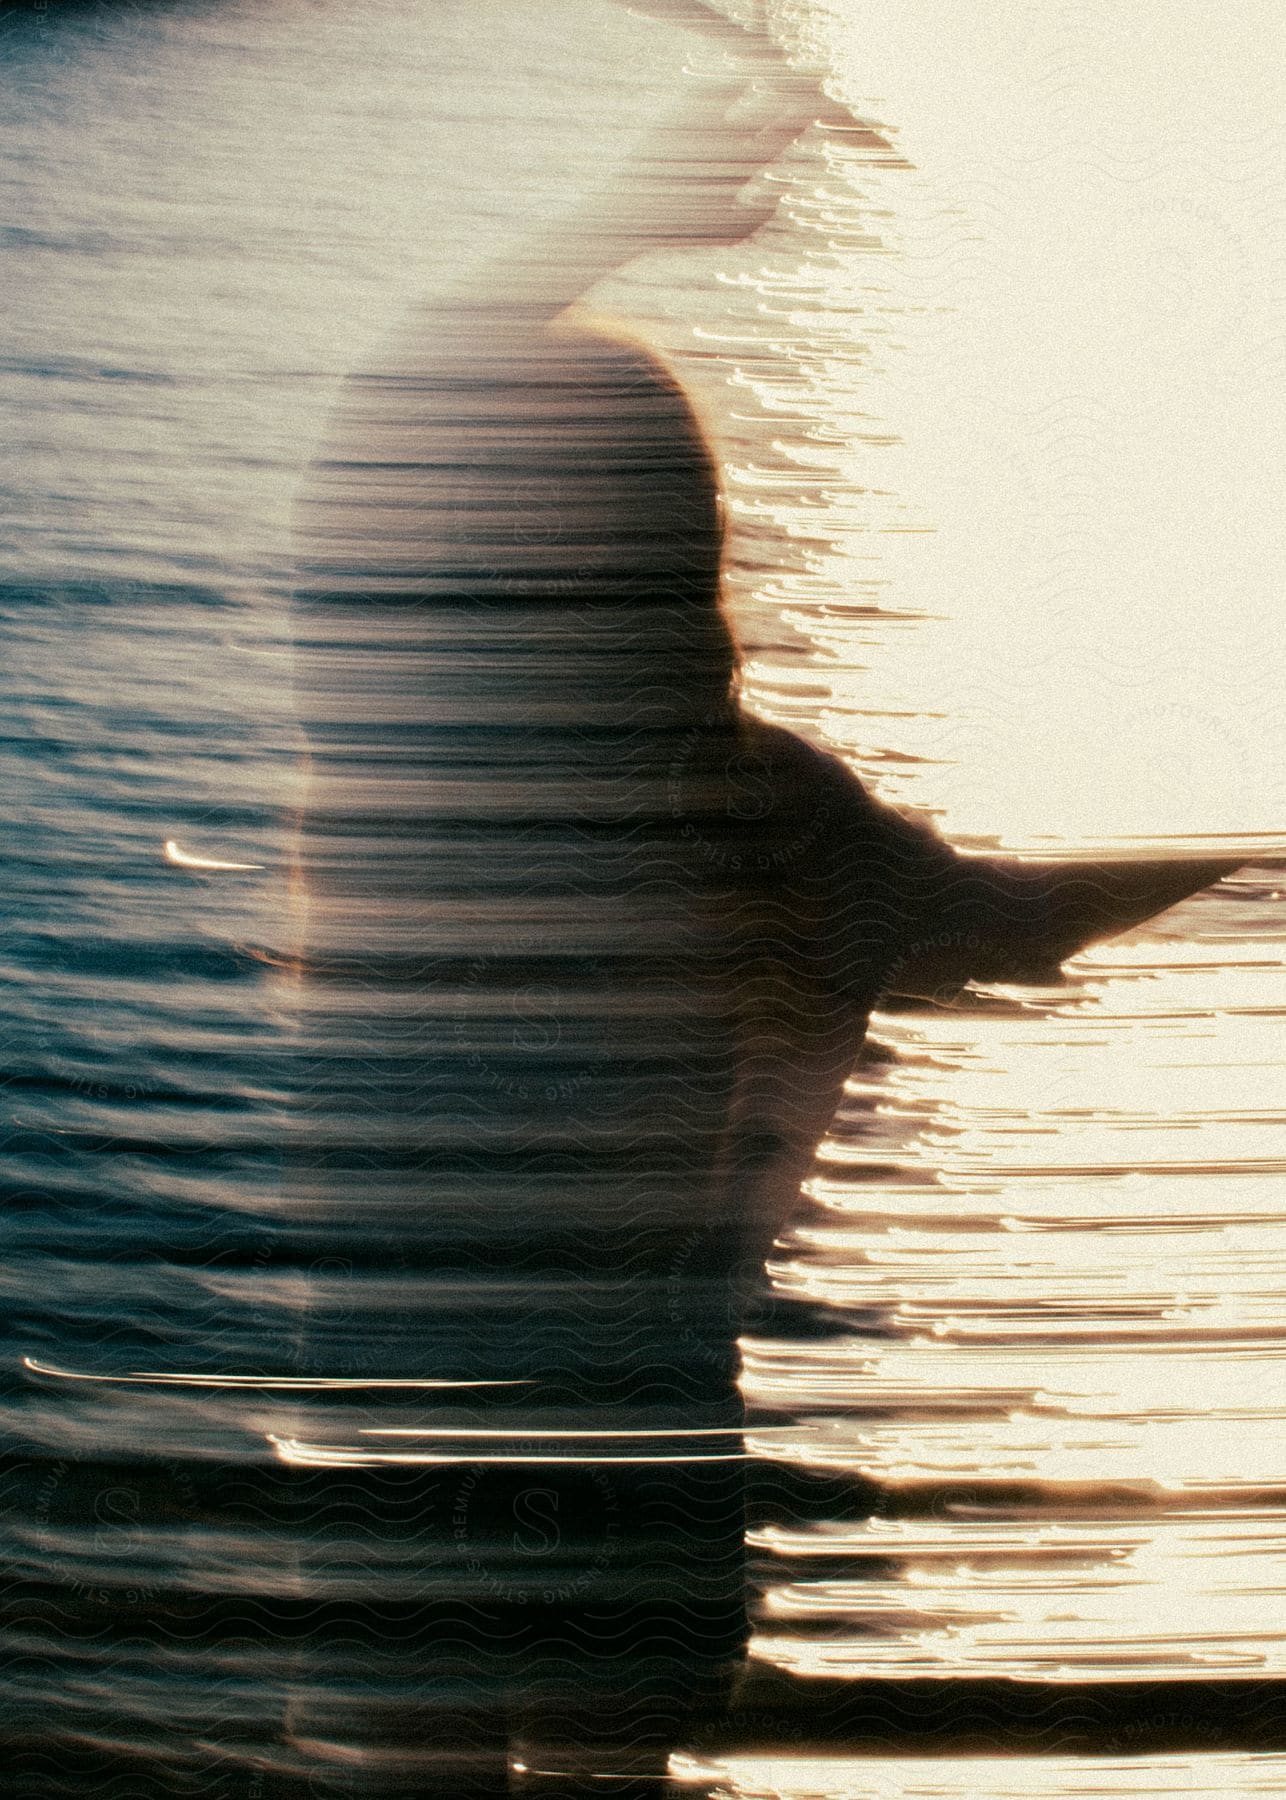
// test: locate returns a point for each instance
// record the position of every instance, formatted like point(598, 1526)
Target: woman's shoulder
point(788, 752)
point(818, 787)
point(800, 773)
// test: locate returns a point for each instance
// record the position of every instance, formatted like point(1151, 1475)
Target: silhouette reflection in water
point(585, 954)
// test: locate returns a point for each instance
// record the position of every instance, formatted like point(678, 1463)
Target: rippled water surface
point(1017, 1410)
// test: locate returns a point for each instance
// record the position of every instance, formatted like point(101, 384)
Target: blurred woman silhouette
point(586, 952)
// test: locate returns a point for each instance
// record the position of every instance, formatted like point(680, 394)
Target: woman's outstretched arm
point(907, 914)
point(1000, 919)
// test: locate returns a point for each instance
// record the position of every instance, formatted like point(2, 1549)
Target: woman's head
point(552, 472)
point(616, 485)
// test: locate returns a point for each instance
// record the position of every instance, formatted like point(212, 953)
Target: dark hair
point(552, 471)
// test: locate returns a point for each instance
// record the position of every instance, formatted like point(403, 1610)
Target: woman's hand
point(693, 180)
point(695, 177)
